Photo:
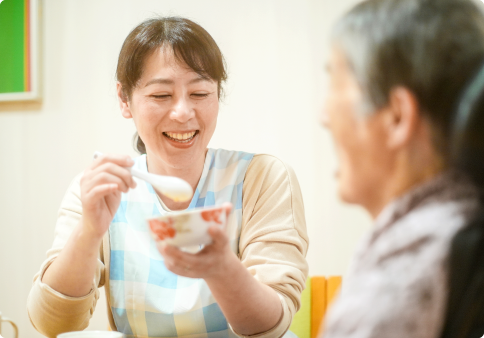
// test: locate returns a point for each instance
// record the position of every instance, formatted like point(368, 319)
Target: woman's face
point(174, 109)
point(364, 160)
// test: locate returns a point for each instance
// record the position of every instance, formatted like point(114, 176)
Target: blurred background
point(275, 52)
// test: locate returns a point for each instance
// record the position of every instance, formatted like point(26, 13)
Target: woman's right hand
point(72, 272)
point(101, 187)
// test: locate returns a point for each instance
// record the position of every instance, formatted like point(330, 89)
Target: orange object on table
point(323, 292)
point(318, 303)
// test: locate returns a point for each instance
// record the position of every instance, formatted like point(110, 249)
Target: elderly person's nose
point(324, 118)
point(182, 111)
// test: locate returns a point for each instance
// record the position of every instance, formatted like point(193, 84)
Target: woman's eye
point(160, 96)
point(200, 95)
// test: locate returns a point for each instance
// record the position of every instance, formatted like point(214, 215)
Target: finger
point(106, 178)
point(121, 160)
point(101, 191)
point(180, 257)
point(122, 172)
point(170, 264)
point(177, 264)
point(161, 247)
point(182, 271)
point(165, 250)
point(218, 235)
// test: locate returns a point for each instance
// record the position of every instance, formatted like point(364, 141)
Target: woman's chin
point(181, 157)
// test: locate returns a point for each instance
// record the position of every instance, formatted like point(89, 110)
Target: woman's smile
point(181, 139)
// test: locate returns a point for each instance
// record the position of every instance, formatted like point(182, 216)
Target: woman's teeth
point(186, 137)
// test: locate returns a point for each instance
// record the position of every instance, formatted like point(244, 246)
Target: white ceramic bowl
point(187, 228)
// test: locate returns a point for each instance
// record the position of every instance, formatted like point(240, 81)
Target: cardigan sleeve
point(274, 241)
point(51, 312)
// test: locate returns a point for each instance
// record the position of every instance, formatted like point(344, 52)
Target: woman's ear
point(123, 102)
point(402, 117)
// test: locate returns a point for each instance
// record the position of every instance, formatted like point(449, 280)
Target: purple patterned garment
point(397, 283)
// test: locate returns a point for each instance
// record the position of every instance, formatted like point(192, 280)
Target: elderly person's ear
point(403, 117)
point(123, 102)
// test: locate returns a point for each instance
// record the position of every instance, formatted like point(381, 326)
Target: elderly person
point(398, 70)
point(247, 282)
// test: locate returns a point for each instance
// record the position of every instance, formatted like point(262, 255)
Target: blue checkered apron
point(146, 299)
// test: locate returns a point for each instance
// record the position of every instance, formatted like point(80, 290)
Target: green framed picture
point(19, 50)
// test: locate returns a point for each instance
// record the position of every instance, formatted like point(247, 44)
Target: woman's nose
point(181, 111)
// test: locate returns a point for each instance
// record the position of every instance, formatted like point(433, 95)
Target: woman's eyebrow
point(199, 79)
point(159, 81)
point(170, 81)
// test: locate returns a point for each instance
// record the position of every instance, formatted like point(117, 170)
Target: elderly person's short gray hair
point(432, 47)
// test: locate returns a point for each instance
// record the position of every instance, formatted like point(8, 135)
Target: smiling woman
point(173, 108)
point(247, 282)
point(188, 44)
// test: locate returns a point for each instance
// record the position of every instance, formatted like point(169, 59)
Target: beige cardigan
point(273, 246)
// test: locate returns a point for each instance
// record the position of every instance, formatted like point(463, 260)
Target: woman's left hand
point(211, 262)
point(248, 305)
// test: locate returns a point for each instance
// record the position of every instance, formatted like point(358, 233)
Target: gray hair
point(432, 47)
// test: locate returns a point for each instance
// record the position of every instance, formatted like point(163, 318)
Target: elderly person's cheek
point(329, 118)
point(346, 129)
point(343, 137)
point(324, 118)
point(332, 104)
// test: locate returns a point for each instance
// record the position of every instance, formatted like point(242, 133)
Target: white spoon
point(172, 187)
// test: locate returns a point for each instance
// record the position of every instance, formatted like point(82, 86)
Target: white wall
point(275, 51)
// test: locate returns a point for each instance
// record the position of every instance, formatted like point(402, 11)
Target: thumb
point(218, 235)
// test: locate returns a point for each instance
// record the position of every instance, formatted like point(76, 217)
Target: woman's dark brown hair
point(191, 45)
